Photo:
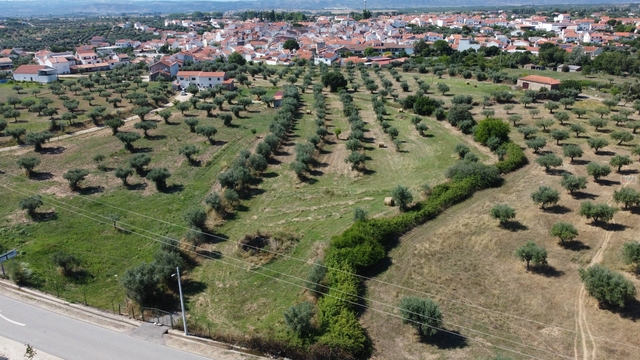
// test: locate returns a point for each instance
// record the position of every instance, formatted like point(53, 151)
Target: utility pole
point(184, 317)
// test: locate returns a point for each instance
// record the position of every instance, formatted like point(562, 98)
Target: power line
point(355, 274)
point(108, 221)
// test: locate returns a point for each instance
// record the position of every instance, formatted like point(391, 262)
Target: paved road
point(72, 339)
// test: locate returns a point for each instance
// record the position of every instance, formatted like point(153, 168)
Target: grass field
point(462, 255)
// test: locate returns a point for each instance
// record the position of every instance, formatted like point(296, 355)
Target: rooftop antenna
point(365, 4)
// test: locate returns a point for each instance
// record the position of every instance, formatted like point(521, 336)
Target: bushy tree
point(559, 135)
point(545, 196)
point(572, 151)
point(619, 161)
point(37, 139)
point(536, 143)
point(532, 253)
point(489, 128)
point(626, 196)
point(608, 287)
point(75, 176)
point(65, 261)
point(297, 318)
point(145, 126)
point(461, 150)
point(631, 254)
point(192, 124)
point(549, 161)
point(159, 177)
point(503, 213)
point(597, 171)
point(195, 218)
point(28, 164)
point(128, 138)
point(356, 159)
point(597, 212)
point(544, 124)
point(551, 106)
point(123, 174)
point(423, 314)
point(622, 136)
point(139, 161)
point(334, 80)
point(597, 143)
point(402, 197)
point(31, 204)
point(189, 151)
point(573, 183)
point(598, 123)
point(209, 131)
point(564, 231)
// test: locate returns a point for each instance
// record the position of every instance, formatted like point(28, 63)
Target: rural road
point(73, 339)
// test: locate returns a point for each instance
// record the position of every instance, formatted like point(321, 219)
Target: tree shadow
point(367, 171)
point(558, 172)
point(628, 172)
point(547, 271)
point(52, 150)
point(574, 245)
point(451, 339)
point(605, 182)
point(194, 162)
point(581, 195)
point(45, 216)
point(605, 153)
point(81, 276)
point(316, 173)
point(89, 190)
point(631, 310)
point(156, 137)
point(580, 162)
point(173, 188)
point(192, 287)
point(273, 161)
point(514, 225)
point(615, 227)
point(139, 186)
point(139, 150)
point(270, 175)
point(557, 209)
point(40, 176)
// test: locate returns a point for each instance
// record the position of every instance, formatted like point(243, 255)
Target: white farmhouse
point(36, 73)
point(202, 79)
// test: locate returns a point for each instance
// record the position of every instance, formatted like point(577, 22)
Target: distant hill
point(61, 7)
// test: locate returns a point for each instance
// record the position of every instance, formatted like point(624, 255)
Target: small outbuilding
point(536, 82)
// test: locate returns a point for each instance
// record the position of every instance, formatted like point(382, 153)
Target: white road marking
point(11, 321)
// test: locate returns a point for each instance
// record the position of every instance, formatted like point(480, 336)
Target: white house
point(60, 63)
point(465, 44)
point(202, 79)
point(36, 73)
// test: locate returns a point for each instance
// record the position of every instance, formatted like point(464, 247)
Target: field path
point(582, 325)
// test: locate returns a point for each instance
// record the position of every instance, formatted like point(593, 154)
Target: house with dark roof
point(36, 73)
point(537, 82)
point(6, 64)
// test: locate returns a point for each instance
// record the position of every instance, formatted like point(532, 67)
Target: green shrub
point(606, 286)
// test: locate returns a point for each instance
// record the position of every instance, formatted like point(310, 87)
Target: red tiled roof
point(29, 69)
point(201, 73)
point(541, 80)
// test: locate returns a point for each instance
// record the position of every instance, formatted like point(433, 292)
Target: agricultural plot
point(253, 264)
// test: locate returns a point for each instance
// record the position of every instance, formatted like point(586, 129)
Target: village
point(326, 39)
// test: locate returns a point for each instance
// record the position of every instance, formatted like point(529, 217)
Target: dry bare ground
point(465, 261)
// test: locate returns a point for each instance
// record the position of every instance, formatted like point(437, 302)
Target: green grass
point(225, 296)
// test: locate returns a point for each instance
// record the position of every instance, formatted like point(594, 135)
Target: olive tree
point(608, 287)
point(531, 253)
point(564, 231)
point(31, 204)
point(159, 177)
point(503, 213)
point(402, 196)
point(28, 164)
point(545, 196)
point(423, 314)
point(75, 176)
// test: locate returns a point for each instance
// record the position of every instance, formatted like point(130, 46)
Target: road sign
point(8, 255)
